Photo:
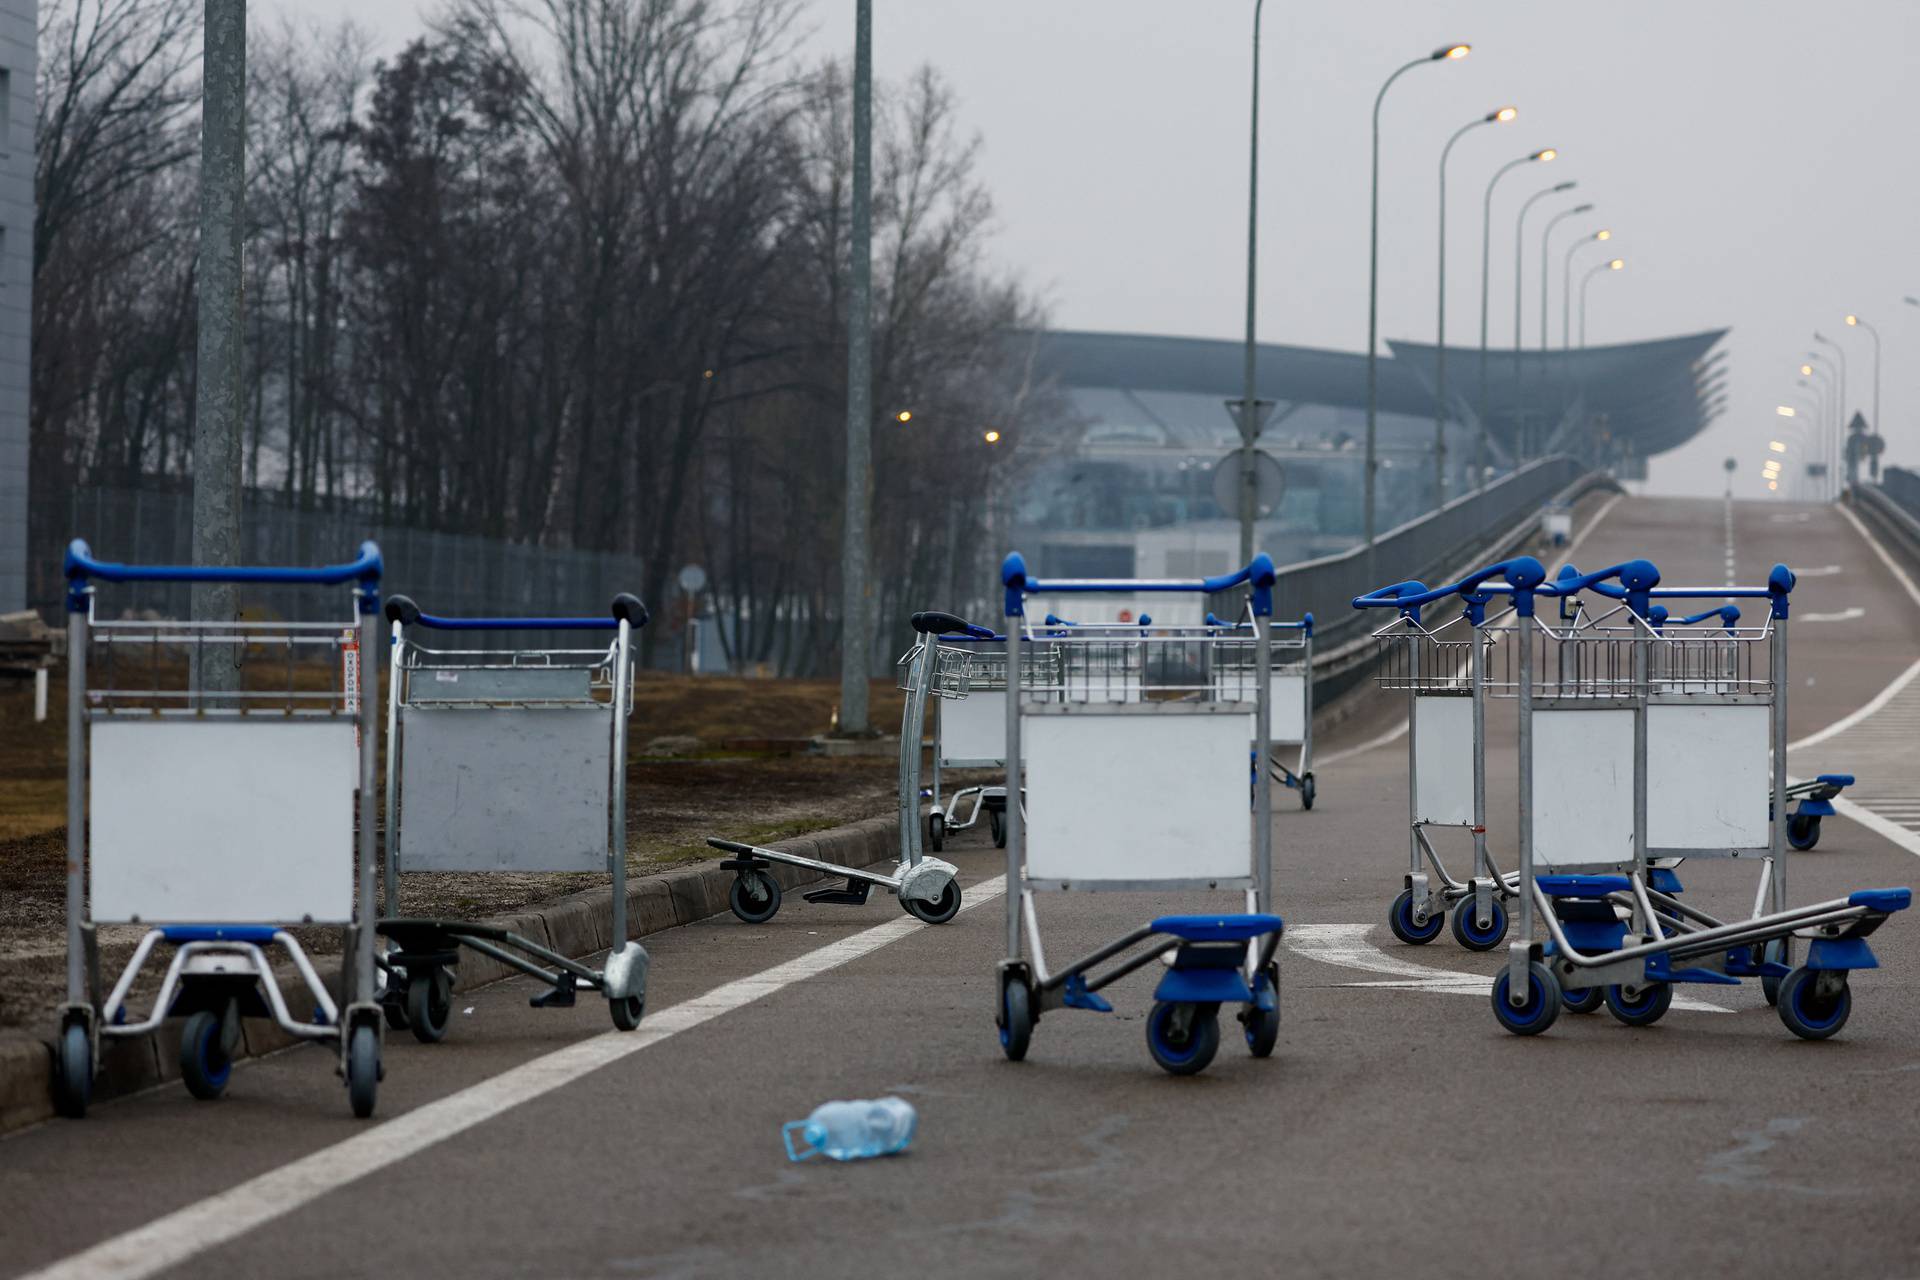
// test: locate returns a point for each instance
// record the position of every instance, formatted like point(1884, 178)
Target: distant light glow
point(1807, 369)
point(1777, 446)
point(904, 415)
point(991, 437)
point(1773, 484)
point(1504, 114)
point(1785, 410)
point(1548, 154)
point(1458, 52)
point(1603, 235)
point(1853, 319)
point(1616, 264)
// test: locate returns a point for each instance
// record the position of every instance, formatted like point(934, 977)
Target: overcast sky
point(1754, 159)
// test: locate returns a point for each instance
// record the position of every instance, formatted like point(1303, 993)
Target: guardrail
point(1893, 509)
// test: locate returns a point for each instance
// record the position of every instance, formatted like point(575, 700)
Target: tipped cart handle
point(81, 566)
point(625, 608)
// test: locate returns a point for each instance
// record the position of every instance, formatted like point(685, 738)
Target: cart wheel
point(1774, 952)
point(1808, 1014)
point(754, 897)
point(936, 831)
point(393, 1008)
point(626, 1011)
point(1262, 1026)
point(363, 1069)
point(1400, 920)
point(1470, 935)
point(1586, 1000)
point(1642, 1010)
point(204, 1066)
point(1541, 1008)
point(429, 1004)
point(1803, 831)
point(1306, 791)
point(998, 822)
point(75, 1067)
point(1016, 1019)
point(939, 910)
point(1183, 1051)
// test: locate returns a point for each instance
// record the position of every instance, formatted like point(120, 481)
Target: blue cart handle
point(1519, 578)
point(1258, 575)
point(625, 608)
point(1305, 624)
point(81, 567)
point(950, 626)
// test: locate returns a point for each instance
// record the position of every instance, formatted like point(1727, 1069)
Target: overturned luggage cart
point(506, 760)
point(926, 886)
point(220, 813)
point(1087, 762)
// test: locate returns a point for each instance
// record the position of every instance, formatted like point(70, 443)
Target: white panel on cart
point(1443, 760)
point(505, 788)
point(1582, 787)
point(222, 820)
point(1289, 715)
point(1150, 792)
point(974, 727)
point(1708, 780)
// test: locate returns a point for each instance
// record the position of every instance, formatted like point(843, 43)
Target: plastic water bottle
point(852, 1130)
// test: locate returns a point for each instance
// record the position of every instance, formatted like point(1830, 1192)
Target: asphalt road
point(1396, 1131)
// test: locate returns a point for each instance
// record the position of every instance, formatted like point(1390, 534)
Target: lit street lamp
point(1519, 272)
point(1546, 239)
point(1566, 284)
point(1486, 253)
point(1451, 53)
point(1615, 265)
point(1840, 357)
point(1857, 322)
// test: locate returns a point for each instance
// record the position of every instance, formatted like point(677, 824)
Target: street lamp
point(1500, 115)
point(1519, 270)
point(1249, 422)
point(1615, 265)
point(1566, 284)
point(1840, 357)
point(1819, 364)
point(1546, 239)
point(1486, 244)
point(1820, 384)
point(1450, 53)
point(1857, 322)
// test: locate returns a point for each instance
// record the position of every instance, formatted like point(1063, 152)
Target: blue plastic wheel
point(1541, 1008)
point(1470, 935)
point(1803, 831)
point(1183, 1051)
point(1400, 920)
point(205, 1067)
point(1016, 1019)
point(1583, 1001)
point(1262, 1026)
point(1642, 1010)
point(1806, 1012)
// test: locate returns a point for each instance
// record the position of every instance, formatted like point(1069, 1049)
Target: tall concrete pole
point(856, 634)
point(1249, 401)
point(218, 396)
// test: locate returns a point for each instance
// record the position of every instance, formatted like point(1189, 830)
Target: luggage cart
point(968, 674)
point(1446, 669)
point(1814, 802)
point(1609, 703)
point(506, 760)
point(219, 819)
point(926, 886)
point(1087, 762)
point(1292, 701)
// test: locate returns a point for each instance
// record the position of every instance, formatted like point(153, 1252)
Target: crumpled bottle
point(852, 1130)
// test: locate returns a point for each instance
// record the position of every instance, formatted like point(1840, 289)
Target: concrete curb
point(577, 925)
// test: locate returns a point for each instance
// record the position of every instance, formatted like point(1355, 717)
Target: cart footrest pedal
point(852, 894)
point(1076, 996)
point(1660, 969)
point(562, 996)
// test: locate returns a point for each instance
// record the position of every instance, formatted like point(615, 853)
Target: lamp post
point(1249, 419)
point(1614, 265)
point(1858, 323)
point(1840, 358)
point(1566, 284)
point(1451, 53)
point(1486, 245)
point(1500, 115)
point(1519, 261)
point(1819, 364)
point(1818, 380)
point(1546, 239)
point(856, 620)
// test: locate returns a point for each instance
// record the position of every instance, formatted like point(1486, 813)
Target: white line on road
point(1845, 615)
point(1592, 524)
point(169, 1241)
point(1853, 718)
point(1349, 946)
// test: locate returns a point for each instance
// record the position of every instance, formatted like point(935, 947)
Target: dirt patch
point(672, 806)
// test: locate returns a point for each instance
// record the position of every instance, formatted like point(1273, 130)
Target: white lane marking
point(1845, 615)
point(1847, 722)
point(1361, 748)
point(1899, 574)
point(1824, 571)
point(1885, 828)
point(1592, 524)
point(169, 1241)
point(1349, 946)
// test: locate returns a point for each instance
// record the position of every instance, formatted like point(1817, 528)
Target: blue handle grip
point(1257, 575)
point(81, 566)
point(625, 608)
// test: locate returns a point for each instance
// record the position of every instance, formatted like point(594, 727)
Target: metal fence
point(447, 573)
point(1903, 486)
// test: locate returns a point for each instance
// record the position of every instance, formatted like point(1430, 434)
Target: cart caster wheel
point(936, 831)
point(1584, 1001)
point(1183, 1051)
point(1541, 1008)
point(1306, 791)
point(1642, 1010)
point(998, 822)
point(1016, 1019)
point(204, 1066)
point(1470, 935)
point(1774, 952)
point(1262, 1026)
point(754, 897)
point(363, 1069)
point(1803, 831)
point(75, 1067)
point(626, 1011)
point(429, 1005)
point(937, 910)
point(1806, 1012)
point(1400, 920)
